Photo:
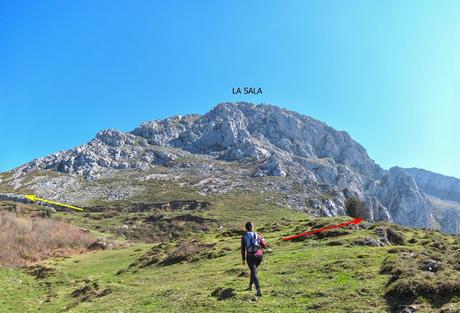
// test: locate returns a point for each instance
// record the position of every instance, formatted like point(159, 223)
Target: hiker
point(252, 245)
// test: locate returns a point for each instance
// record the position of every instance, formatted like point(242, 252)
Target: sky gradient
point(386, 72)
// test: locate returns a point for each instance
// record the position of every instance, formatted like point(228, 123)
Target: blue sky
point(388, 72)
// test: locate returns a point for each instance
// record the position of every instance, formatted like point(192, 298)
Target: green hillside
point(197, 267)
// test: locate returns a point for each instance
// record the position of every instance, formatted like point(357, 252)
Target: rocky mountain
point(240, 146)
point(444, 194)
point(443, 187)
point(407, 203)
point(450, 219)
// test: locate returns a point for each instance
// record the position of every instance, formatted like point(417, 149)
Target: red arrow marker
point(355, 221)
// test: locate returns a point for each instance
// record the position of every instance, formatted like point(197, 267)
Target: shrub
point(24, 240)
point(395, 237)
point(356, 208)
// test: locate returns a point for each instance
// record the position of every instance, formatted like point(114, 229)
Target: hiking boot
point(249, 288)
point(259, 293)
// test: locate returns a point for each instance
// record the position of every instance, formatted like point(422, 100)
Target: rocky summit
point(307, 164)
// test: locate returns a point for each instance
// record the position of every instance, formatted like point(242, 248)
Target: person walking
point(252, 245)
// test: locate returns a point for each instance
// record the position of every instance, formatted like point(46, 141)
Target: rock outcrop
point(406, 202)
point(111, 149)
point(237, 131)
point(450, 222)
point(437, 185)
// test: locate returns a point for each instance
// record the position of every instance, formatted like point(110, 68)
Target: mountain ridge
point(442, 186)
point(273, 141)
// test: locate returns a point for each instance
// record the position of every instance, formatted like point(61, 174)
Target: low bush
point(356, 208)
point(24, 240)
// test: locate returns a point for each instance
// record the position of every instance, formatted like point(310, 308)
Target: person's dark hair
point(249, 226)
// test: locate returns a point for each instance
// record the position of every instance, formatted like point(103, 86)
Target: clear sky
point(388, 72)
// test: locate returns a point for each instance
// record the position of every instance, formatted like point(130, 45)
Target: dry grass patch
point(25, 240)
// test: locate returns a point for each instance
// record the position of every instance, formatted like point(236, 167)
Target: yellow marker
point(34, 198)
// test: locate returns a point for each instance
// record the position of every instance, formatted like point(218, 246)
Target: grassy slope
point(308, 276)
point(296, 277)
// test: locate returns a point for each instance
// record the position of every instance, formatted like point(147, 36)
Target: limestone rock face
point(162, 132)
point(235, 131)
point(437, 185)
point(450, 222)
point(377, 211)
point(325, 165)
point(111, 149)
point(406, 202)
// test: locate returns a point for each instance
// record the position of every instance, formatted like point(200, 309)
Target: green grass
point(307, 276)
point(232, 209)
point(187, 287)
point(313, 275)
point(19, 292)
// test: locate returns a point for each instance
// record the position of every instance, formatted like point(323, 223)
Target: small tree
point(355, 207)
